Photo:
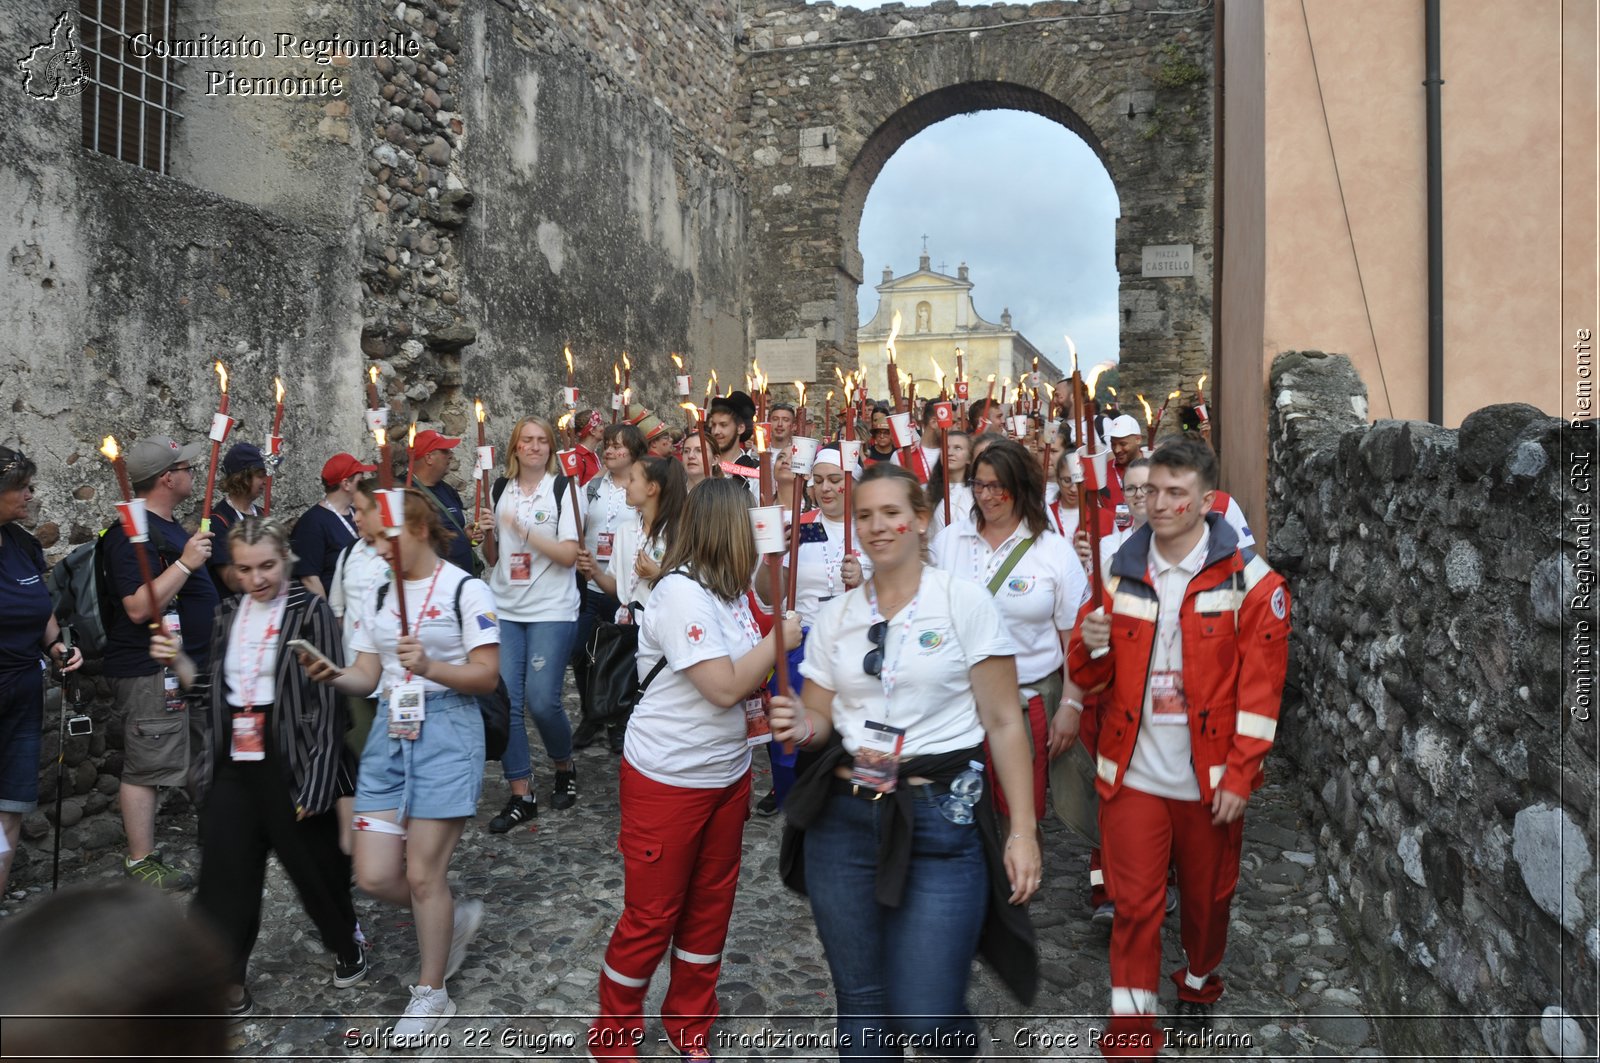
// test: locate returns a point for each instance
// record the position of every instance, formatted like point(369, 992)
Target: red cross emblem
point(361, 823)
point(432, 612)
point(272, 632)
point(696, 634)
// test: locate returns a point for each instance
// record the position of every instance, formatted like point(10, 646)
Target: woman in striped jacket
point(273, 760)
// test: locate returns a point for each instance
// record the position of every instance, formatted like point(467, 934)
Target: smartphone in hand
point(305, 647)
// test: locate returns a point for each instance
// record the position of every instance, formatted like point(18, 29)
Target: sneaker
point(768, 805)
point(241, 1007)
point(564, 794)
point(468, 917)
point(615, 740)
point(1172, 899)
point(585, 734)
point(518, 810)
point(153, 872)
point(1191, 1024)
point(1104, 914)
point(429, 1009)
point(347, 974)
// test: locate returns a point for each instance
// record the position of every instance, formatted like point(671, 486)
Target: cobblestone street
point(553, 891)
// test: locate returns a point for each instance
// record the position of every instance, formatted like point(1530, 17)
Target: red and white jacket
point(1235, 624)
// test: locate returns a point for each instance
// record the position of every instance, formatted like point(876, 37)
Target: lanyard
point(888, 675)
point(526, 502)
point(747, 619)
point(416, 626)
point(996, 558)
point(351, 528)
point(613, 493)
point(268, 638)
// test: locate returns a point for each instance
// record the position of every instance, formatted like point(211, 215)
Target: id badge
point(407, 710)
point(249, 736)
point(877, 764)
point(602, 545)
point(757, 728)
point(521, 570)
point(1168, 706)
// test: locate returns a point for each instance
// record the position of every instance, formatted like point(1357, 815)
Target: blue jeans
point(901, 972)
point(533, 662)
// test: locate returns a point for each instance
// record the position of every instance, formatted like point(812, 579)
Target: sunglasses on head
point(872, 663)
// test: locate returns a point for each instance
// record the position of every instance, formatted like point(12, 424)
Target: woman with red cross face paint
point(892, 832)
point(422, 768)
point(685, 777)
point(274, 759)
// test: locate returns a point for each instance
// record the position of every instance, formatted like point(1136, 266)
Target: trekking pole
point(61, 755)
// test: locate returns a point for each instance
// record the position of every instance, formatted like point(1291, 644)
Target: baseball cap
point(429, 441)
point(242, 456)
point(151, 457)
point(1122, 426)
point(342, 467)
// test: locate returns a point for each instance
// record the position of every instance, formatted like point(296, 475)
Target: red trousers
point(1039, 740)
point(680, 854)
point(1141, 835)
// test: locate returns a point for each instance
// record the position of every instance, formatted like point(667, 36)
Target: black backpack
point(495, 708)
point(498, 488)
point(80, 589)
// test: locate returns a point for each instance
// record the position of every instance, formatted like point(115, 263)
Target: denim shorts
point(21, 698)
point(438, 774)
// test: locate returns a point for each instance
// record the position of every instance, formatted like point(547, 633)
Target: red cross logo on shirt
point(695, 633)
point(272, 631)
point(432, 613)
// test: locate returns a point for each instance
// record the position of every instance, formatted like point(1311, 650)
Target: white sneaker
point(429, 1010)
point(468, 917)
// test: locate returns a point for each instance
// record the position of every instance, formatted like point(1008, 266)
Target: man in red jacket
point(1190, 646)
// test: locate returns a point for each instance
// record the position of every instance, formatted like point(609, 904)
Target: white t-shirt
point(1233, 513)
point(362, 569)
point(630, 541)
point(1039, 598)
point(1162, 762)
point(430, 611)
point(675, 736)
point(817, 580)
point(552, 593)
point(252, 654)
point(604, 514)
point(929, 650)
point(960, 508)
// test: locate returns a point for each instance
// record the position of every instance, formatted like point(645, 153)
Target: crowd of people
point(319, 685)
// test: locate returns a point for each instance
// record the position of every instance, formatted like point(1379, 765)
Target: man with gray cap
point(156, 742)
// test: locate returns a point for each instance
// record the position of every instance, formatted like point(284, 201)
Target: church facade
point(937, 316)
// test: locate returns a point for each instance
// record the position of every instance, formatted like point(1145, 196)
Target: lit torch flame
point(411, 436)
point(1201, 386)
point(1175, 395)
point(801, 384)
point(1073, 348)
point(692, 408)
point(1148, 416)
point(761, 438)
point(277, 386)
point(565, 350)
point(477, 409)
point(938, 375)
point(222, 371)
point(108, 447)
point(625, 363)
point(1111, 390)
point(380, 436)
point(1094, 376)
point(565, 422)
point(894, 331)
point(616, 376)
point(372, 373)
point(677, 361)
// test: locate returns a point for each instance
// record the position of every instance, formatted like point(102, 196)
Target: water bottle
point(1124, 517)
point(172, 690)
point(965, 789)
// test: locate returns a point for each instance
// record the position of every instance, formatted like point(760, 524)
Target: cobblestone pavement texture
point(553, 891)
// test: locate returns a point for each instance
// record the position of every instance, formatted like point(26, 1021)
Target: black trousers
point(248, 814)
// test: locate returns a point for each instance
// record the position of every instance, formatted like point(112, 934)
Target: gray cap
point(151, 457)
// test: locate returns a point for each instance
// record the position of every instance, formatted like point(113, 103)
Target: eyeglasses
point(872, 663)
point(181, 468)
point(880, 431)
point(988, 487)
point(1137, 491)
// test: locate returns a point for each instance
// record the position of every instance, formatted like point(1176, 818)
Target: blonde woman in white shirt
point(912, 672)
point(685, 778)
point(533, 549)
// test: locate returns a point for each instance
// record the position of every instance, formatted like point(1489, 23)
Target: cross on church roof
point(924, 243)
point(941, 267)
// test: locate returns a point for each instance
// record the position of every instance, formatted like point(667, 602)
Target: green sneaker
point(152, 871)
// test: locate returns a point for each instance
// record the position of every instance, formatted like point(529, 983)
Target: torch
point(484, 465)
point(767, 526)
point(893, 371)
point(392, 509)
point(988, 404)
point(571, 395)
point(681, 378)
point(1150, 423)
point(274, 446)
point(220, 423)
point(802, 413)
point(411, 452)
point(1200, 403)
point(616, 392)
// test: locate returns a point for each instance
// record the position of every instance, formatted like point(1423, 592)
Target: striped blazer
point(308, 719)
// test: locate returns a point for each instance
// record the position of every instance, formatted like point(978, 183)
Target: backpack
point(498, 488)
point(80, 588)
point(495, 708)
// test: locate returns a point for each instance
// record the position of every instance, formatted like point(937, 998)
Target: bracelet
point(186, 569)
point(1074, 702)
point(811, 732)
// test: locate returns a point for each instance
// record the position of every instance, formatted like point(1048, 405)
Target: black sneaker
point(243, 1007)
point(586, 733)
point(564, 794)
point(1191, 1024)
point(768, 805)
point(347, 974)
point(518, 810)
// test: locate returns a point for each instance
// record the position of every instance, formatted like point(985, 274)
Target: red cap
point(342, 467)
point(429, 441)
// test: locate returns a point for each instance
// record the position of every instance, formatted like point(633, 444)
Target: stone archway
point(830, 94)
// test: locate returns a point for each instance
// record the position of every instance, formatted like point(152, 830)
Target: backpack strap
point(495, 491)
point(650, 676)
point(1011, 562)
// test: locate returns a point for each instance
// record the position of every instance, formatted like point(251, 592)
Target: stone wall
point(1434, 574)
point(828, 94)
